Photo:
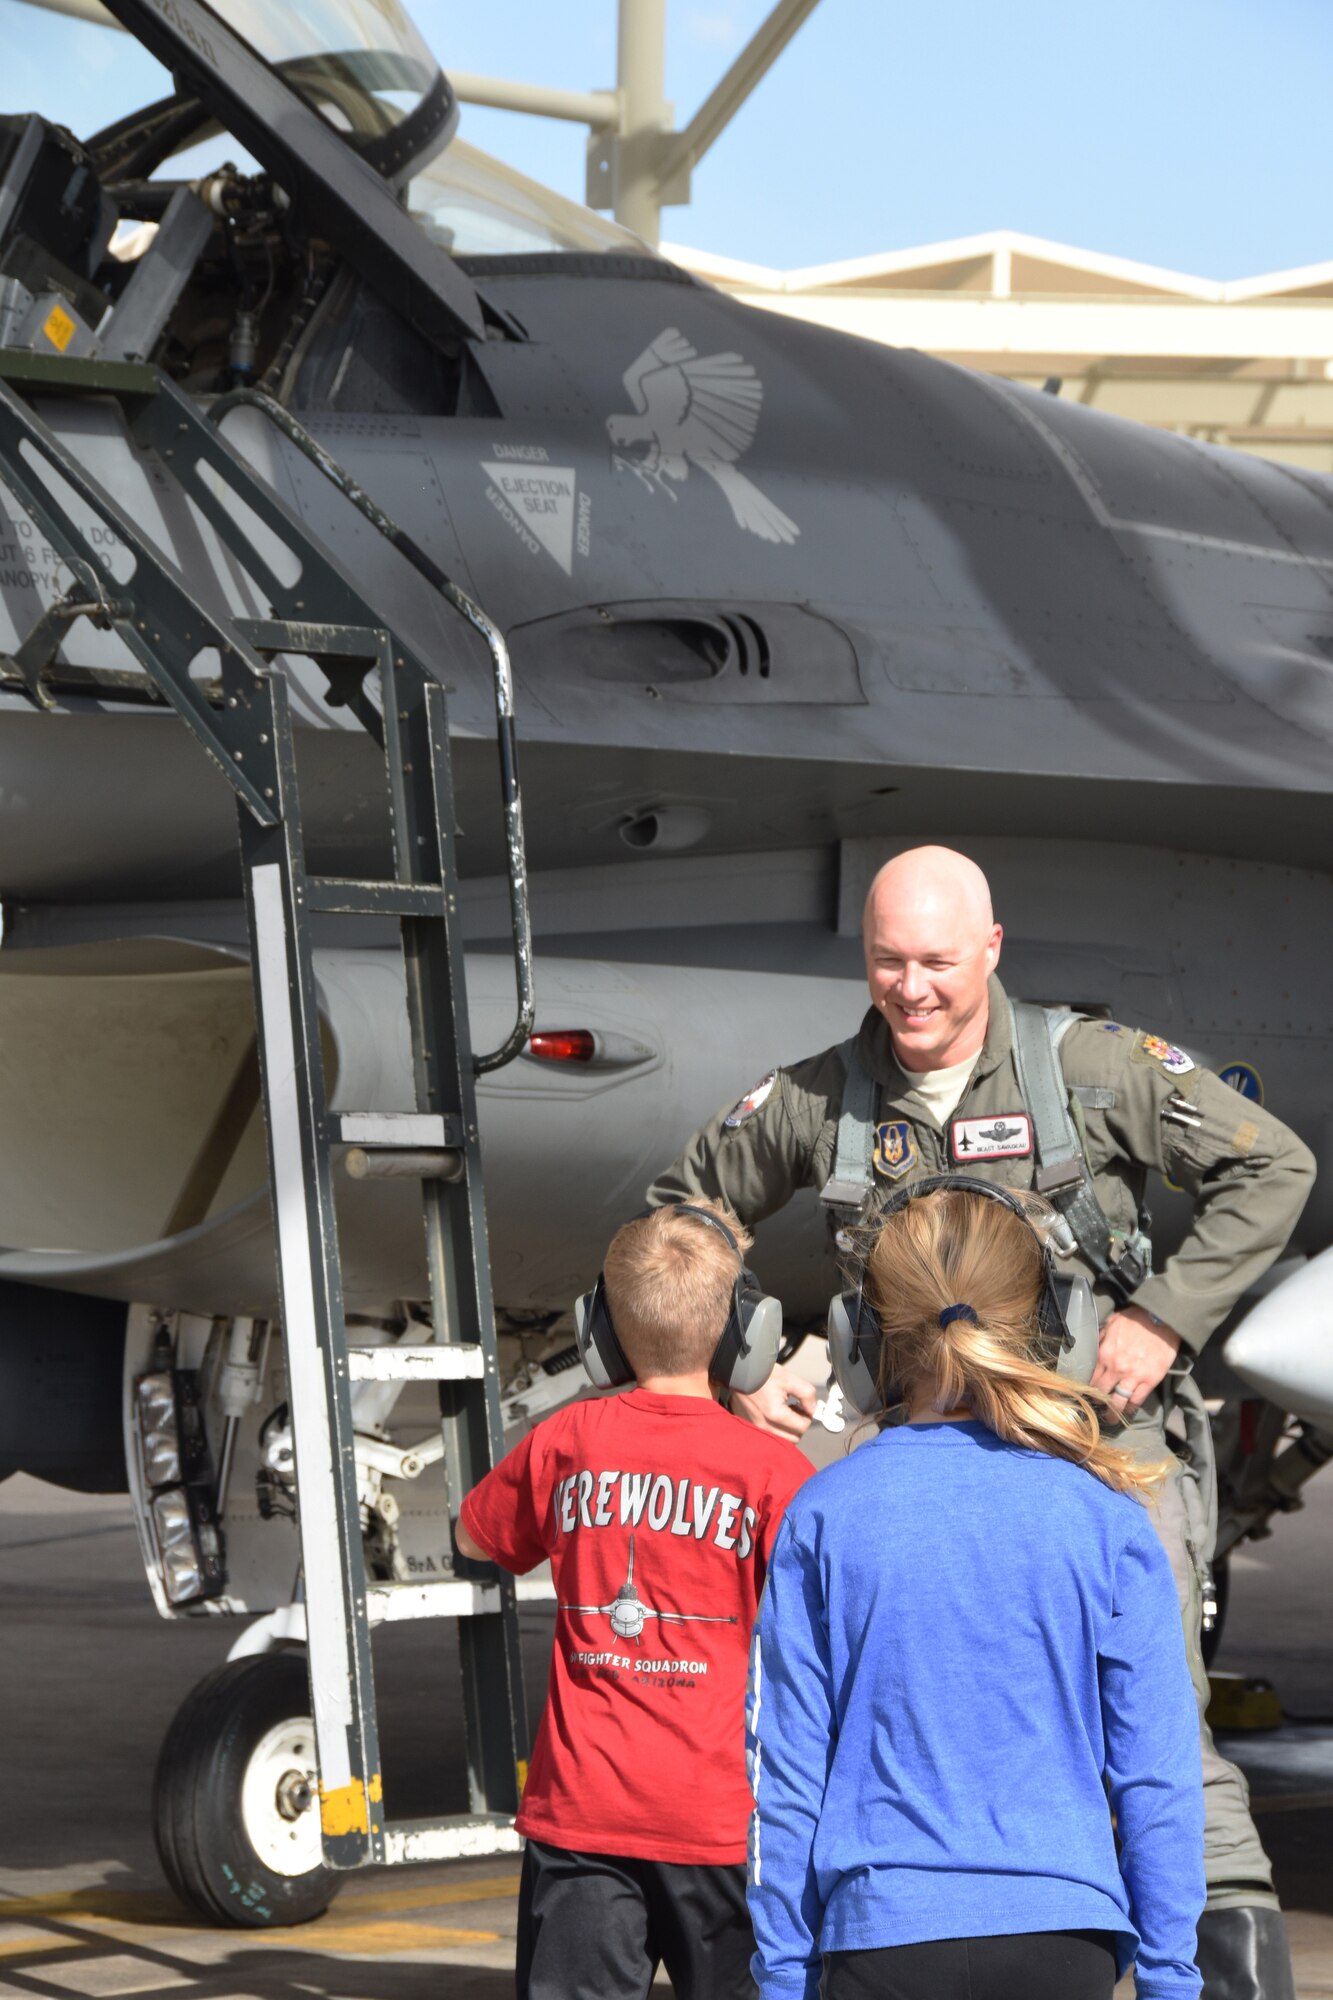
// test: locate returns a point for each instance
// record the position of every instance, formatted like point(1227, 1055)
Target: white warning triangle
point(542, 496)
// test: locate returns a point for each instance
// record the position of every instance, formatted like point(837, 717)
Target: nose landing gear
point(235, 1799)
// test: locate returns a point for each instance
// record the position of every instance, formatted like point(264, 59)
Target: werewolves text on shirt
point(653, 1500)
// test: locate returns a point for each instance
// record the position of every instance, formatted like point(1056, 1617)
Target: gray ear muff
point(854, 1358)
point(600, 1352)
point(759, 1325)
point(1066, 1310)
point(1076, 1357)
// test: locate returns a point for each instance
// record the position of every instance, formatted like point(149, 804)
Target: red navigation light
point(567, 1045)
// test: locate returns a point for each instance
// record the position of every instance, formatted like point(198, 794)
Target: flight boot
point(1244, 1955)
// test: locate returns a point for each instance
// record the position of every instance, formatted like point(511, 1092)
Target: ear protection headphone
point(744, 1356)
point(1067, 1327)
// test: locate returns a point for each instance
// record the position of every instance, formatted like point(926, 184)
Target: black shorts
point(597, 1926)
point(1036, 1965)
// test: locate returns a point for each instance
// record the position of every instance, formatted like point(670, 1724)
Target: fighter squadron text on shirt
point(652, 1500)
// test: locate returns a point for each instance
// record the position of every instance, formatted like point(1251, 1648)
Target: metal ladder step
point(452, 1839)
point(407, 1129)
point(459, 1361)
point(443, 1597)
point(400, 1145)
point(345, 897)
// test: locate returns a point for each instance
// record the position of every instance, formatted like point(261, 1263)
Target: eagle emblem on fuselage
point(701, 410)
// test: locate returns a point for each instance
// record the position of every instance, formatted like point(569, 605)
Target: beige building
point(1247, 364)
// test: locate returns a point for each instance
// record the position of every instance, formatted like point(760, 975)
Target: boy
point(658, 1511)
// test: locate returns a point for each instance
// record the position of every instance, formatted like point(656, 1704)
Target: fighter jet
point(778, 601)
point(628, 1612)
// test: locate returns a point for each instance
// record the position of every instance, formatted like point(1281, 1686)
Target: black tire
point(208, 1854)
point(1210, 1641)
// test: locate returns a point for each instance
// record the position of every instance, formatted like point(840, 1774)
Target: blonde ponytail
point(954, 1280)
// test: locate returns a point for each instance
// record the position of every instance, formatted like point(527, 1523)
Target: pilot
point(945, 1073)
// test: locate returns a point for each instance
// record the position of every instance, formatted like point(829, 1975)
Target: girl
point(970, 1636)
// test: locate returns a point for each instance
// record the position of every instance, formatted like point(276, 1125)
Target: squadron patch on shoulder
point(754, 1099)
point(895, 1149)
point(1005, 1138)
point(1152, 1048)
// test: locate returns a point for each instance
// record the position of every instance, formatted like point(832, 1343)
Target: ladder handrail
point(516, 863)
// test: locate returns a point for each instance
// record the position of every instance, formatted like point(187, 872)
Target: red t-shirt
point(658, 1514)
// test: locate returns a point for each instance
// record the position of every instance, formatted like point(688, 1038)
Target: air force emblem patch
point(1005, 1138)
point(895, 1149)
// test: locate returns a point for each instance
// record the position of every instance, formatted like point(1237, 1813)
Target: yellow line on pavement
point(149, 1905)
point(352, 1938)
point(422, 1896)
point(371, 1939)
point(128, 1904)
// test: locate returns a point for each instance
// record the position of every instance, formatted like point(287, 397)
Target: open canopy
point(341, 101)
point(361, 64)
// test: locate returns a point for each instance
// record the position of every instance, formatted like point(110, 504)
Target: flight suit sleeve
point(1248, 1173)
point(755, 1154)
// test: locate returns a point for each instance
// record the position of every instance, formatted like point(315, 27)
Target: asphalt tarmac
point(90, 1678)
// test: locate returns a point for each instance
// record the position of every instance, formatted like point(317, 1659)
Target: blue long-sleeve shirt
point(963, 1646)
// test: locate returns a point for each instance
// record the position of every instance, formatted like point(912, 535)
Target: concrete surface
point(90, 1678)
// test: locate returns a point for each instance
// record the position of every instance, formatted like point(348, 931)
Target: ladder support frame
point(244, 725)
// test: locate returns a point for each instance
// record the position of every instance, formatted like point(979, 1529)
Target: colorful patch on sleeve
point(895, 1149)
point(754, 1099)
point(1005, 1138)
point(1173, 1060)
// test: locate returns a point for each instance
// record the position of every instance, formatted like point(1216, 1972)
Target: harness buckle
point(850, 1195)
point(1059, 1178)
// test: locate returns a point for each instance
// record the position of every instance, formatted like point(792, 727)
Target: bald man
point(939, 1074)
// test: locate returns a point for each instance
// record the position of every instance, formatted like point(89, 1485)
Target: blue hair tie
point(951, 1313)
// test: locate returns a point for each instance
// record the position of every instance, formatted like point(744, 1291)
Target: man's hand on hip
point(785, 1404)
point(1133, 1354)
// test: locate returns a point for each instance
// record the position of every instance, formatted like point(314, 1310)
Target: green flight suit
point(1249, 1177)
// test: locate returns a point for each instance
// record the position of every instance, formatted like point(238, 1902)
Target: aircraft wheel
point(235, 1798)
point(1210, 1641)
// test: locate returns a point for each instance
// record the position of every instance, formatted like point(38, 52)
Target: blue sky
point(1187, 133)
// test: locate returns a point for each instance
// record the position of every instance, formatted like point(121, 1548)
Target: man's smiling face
point(931, 944)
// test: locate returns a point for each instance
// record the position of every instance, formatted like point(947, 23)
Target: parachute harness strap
point(848, 1187)
point(1062, 1174)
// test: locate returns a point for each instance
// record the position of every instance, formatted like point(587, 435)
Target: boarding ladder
point(242, 721)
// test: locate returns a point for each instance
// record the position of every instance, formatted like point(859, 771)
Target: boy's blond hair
point(669, 1279)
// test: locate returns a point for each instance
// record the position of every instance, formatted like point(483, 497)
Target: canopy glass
point(361, 63)
point(473, 205)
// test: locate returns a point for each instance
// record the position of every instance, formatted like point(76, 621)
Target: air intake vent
point(726, 653)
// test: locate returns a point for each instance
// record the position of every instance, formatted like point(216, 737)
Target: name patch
point(1005, 1138)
